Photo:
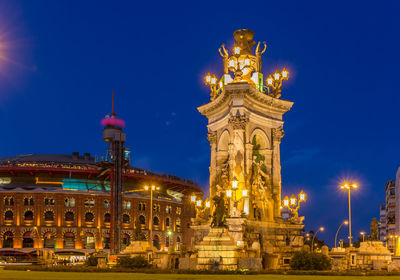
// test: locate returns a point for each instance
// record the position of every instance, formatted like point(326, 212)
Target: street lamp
point(293, 203)
point(363, 235)
point(211, 80)
point(348, 187)
point(152, 189)
point(344, 223)
point(275, 82)
point(315, 234)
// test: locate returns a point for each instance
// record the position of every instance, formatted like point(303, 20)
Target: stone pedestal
point(217, 251)
point(137, 247)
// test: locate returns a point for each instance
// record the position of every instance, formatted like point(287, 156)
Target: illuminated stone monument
point(245, 128)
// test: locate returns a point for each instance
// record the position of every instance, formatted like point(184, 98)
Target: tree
point(304, 260)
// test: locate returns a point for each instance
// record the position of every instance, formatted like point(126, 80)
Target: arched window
point(107, 218)
point(106, 241)
point(9, 215)
point(8, 239)
point(26, 201)
point(28, 216)
point(49, 216)
point(11, 201)
point(125, 219)
point(156, 221)
point(69, 216)
point(69, 240)
point(48, 240)
point(178, 224)
point(88, 241)
point(142, 220)
point(89, 217)
point(31, 201)
point(178, 240)
point(107, 204)
point(27, 240)
point(167, 222)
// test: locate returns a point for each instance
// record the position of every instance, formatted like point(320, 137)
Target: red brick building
point(61, 203)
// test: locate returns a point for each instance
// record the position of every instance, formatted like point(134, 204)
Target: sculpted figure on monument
point(225, 55)
point(258, 56)
point(218, 219)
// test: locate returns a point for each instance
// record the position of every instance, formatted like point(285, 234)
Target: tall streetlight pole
point(348, 187)
point(363, 235)
point(152, 188)
point(315, 234)
point(344, 223)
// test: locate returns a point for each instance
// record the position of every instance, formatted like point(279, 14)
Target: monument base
point(217, 251)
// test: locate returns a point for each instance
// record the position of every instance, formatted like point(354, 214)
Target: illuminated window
point(89, 203)
point(69, 202)
point(49, 201)
point(107, 204)
point(168, 209)
point(156, 207)
point(178, 210)
point(126, 205)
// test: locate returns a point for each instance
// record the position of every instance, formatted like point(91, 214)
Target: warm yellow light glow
point(158, 188)
point(247, 62)
point(362, 233)
point(286, 201)
point(193, 198)
point(234, 183)
point(229, 193)
point(354, 186)
point(198, 203)
point(213, 80)
point(153, 188)
point(244, 193)
point(285, 73)
point(321, 228)
point(346, 222)
point(208, 204)
point(220, 84)
point(302, 196)
point(269, 80)
point(208, 78)
point(146, 188)
point(277, 76)
point(236, 50)
point(292, 200)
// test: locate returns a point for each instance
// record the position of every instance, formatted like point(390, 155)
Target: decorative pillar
point(277, 134)
point(212, 138)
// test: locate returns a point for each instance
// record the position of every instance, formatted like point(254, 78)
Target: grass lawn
point(34, 275)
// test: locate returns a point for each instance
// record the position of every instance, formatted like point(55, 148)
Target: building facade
point(61, 203)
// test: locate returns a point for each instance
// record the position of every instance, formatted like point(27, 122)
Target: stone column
point(277, 134)
point(238, 153)
point(212, 138)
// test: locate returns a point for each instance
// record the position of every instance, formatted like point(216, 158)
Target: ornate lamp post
point(344, 223)
point(152, 189)
point(348, 187)
point(211, 80)
point(275, 82)
point(293, 203)
point(315, 234)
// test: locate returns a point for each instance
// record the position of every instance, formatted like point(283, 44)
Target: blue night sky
point(60, 60)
